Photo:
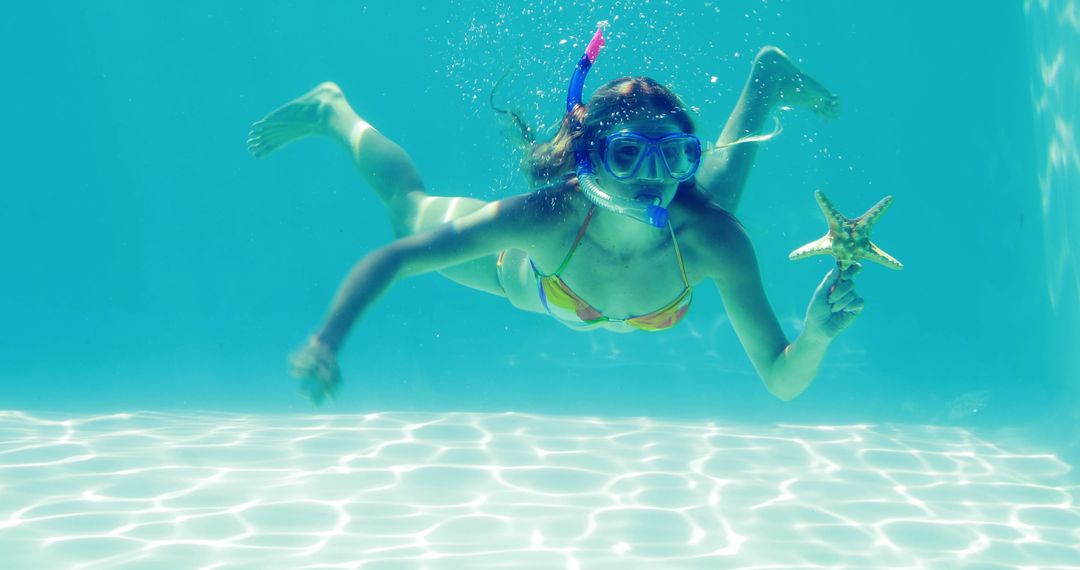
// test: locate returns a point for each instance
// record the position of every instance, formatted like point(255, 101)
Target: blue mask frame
point(652, 145)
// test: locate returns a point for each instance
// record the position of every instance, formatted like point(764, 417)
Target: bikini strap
point(678, 254)
point(577, 241)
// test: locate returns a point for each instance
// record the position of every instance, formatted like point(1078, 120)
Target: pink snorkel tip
point(595, 44)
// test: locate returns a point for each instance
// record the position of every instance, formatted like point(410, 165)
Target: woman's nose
point(650, 167)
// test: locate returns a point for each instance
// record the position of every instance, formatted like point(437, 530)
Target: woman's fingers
point(301, 365)
point(830, 280)
point(317, 369)
point(842, 319)
point(842, 288)
point(850, 272)
point(854, 305)
point(849, 301)
point(305, 365)
point(842, 292)
point(837, 277)
point(839, 304)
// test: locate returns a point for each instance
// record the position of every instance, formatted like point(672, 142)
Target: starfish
point(848, 240)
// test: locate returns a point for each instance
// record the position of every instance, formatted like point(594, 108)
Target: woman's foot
point(306, 115)
point(793, 87)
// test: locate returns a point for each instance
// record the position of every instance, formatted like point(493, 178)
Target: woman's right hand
point(835, 303)
point(315, 365)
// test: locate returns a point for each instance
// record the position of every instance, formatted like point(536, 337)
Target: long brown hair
point(617, 101)
point(551, 164)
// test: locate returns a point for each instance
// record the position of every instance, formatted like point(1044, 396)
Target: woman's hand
point(315, 365)
point(835, 304)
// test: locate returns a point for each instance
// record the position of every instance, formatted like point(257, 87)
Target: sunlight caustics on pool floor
point(440, 491)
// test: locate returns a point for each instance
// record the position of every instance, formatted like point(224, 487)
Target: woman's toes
point(828, 107)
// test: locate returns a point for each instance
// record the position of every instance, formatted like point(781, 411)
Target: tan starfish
point(848, 240)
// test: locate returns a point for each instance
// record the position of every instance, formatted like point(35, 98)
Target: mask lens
point(623, 155)
point(682, 156)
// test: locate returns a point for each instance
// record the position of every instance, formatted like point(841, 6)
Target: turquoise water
point(155, 277)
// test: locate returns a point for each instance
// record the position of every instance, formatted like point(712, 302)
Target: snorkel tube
point(648, 211)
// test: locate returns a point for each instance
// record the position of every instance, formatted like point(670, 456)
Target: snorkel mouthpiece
point(656, 215)
point(646, 211)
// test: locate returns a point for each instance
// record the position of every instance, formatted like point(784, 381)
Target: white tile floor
point(448, 491)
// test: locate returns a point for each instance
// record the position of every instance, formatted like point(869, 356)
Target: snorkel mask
point(648, 211)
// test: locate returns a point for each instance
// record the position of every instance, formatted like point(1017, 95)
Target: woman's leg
point(385, 166)
point(774, 79)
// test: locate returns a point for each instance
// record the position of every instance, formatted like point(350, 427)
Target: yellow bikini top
point(562, 303)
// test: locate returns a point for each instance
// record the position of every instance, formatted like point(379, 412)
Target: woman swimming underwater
point(631, 215)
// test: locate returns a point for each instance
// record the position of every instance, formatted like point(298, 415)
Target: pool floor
point(474, 491)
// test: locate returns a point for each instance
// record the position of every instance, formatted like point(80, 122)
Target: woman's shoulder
point(540, 212)
point(547, 205)
point(713, 234)
point(696, 214)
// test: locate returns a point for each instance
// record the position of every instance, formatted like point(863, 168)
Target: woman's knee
point(768, 56)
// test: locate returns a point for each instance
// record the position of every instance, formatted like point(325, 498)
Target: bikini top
point(562, 303)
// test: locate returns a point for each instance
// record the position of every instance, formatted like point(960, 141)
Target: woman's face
point(651, 178)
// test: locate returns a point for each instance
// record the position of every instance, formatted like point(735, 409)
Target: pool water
point(155, 278)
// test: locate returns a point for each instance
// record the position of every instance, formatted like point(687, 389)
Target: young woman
point(630, 216)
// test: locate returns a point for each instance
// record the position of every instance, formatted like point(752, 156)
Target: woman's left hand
point(315, 365)
point(835, 303)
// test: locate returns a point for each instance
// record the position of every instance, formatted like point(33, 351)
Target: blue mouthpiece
point(657, 216)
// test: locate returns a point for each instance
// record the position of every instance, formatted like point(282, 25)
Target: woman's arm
point(499, 225)
point(787, 369)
